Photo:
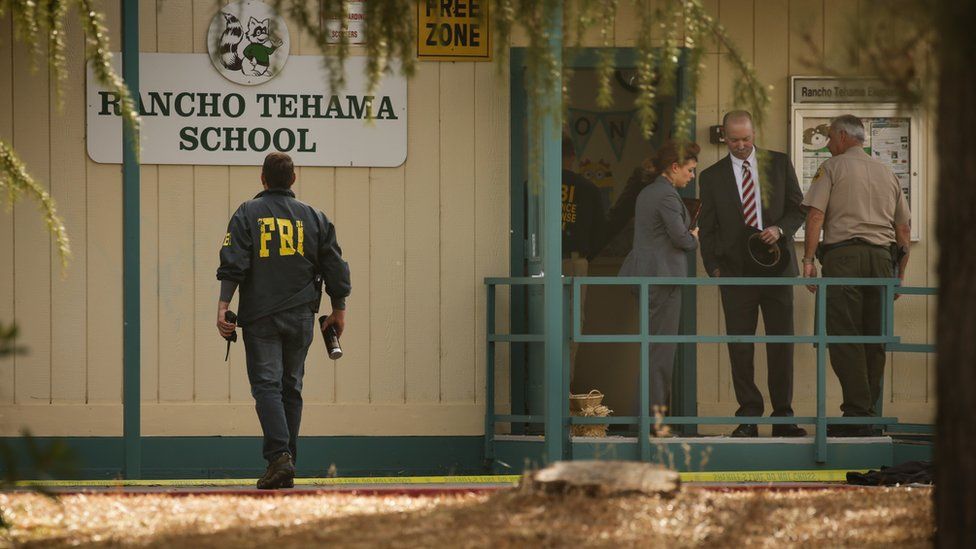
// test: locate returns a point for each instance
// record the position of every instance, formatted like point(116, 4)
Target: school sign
point(191, 114)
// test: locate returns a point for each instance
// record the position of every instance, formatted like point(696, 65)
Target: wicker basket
point(585, 400)
point(588, 405)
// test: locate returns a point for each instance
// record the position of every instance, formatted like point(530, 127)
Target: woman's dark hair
point(670, 153)
point(278, 170)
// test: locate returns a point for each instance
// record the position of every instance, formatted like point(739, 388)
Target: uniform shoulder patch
point(819, 174)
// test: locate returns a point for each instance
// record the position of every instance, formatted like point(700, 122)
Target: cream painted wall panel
point(318, 190)
point(457, 232)
point(711, 7)
point(590, 38)
point(104, 283)
point(147, 25)
point(806, 25)
point(737, 18)
point(840, 25)
point(244, 182)
point(174, 26)
point(68, 285)
point(104, 272)
point(352, 220)
point(6, 214)
point(625, 32)
point(422, 291)
point(363, 419)
point(79, 420)
point(105, 264)
point(909, 375)
point(492, 212)
point(149, 282)
point(176, 284)
point(707, 305)
point(203, 12)
point(149, 240)
point(303, 40)
point(32, 245)
point(210, 194)
point(772, 62)
point(386, 286)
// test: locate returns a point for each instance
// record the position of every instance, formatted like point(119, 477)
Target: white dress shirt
point(737, 170)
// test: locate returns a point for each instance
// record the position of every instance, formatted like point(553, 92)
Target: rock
point(605, 478)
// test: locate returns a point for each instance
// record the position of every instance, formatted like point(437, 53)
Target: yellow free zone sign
point(453, 30)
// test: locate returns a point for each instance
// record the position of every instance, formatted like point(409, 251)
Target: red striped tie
point(749, 197)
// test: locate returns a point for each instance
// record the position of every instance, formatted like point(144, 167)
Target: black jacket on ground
point(277, 249)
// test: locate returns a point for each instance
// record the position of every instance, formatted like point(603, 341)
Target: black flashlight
point(331, 339)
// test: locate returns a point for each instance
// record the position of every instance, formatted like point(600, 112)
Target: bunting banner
point(615, 124)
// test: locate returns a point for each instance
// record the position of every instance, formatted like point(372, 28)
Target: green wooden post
point(644, 424)
point(551, 101)
point(131, 345)
point(821, 331)
point(490, 378)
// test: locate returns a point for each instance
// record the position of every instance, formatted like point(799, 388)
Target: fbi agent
point(279, 250)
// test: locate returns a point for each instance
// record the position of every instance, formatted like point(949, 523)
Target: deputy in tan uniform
point(859, 204)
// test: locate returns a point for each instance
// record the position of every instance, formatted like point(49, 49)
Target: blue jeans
point(275, 346)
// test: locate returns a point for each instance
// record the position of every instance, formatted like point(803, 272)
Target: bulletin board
point(892, 136)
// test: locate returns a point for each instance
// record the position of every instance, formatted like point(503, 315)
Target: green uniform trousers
point(854, 311)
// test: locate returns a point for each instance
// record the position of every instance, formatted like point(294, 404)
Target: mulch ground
point(869, 517)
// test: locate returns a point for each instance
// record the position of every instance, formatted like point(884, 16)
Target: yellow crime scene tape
point(692, 477)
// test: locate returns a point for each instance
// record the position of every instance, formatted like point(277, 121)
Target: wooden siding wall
point(776, 36)
point(419, 239)
point(783, 38)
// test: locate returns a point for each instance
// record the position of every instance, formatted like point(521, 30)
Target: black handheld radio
point(230, 316)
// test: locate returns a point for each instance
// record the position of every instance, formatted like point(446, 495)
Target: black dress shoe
point(859, 431)
point(850, 431)
point(745, 431)
point(788, 431)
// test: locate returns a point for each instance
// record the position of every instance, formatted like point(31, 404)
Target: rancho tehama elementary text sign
point(193, 115)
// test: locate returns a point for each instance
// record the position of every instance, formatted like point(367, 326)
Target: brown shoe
point(280, 473)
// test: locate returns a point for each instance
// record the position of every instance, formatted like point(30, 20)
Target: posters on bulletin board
point(887, 139)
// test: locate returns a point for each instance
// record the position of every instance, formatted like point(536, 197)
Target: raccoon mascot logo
point(248, 54)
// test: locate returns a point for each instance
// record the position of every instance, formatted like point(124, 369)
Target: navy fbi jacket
point(279, 250)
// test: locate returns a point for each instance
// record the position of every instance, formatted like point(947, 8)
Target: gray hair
point(736, 116)
point(849, 124)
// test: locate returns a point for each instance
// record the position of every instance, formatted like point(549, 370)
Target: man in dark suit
point(746, 192)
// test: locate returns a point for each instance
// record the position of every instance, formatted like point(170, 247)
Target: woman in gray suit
point(662, 238)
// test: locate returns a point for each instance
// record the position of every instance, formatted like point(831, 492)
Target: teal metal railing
point(820, 339)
